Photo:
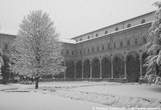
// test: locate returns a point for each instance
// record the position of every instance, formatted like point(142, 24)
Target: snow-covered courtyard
point(78, 95)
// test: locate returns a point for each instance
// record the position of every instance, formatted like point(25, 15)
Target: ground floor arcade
point(128, 67)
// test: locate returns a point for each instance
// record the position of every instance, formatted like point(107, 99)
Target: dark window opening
point(103, 47)
point(144, 40)
point(116, 29)
point(106, 32)
point(121, 44)
point(114, 45)
point(143, 21)
point(129, 25)
point(98, 48)
point(128, 42)
point(136, 41)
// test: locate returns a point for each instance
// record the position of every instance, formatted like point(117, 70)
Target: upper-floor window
point(80, 52)
point(106, 32)
point(67, 52)
point(114, 45)
point(144, 40)
point(96, 35)
point(108, 45)
point(84, 51)
point(62, 52)
point(136, 41)
point(129, 25)
point(88, 50)
point(121, 44)
point(116, 29)
point(143, 21)
point(128, 42)
point(72, 52)
point(88, 37)
point(80, 39)
point(92, 49)
point(97, 48)
point(103, 47)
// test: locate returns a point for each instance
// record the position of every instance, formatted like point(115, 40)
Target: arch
point(118, 66)
point(95, 68)
point(133, 66)
point(79, 69)
point(144, 56)
point(70, 69)
point(86, 68)
point(106, 67)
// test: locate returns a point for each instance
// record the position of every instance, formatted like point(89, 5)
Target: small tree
point(153, 61)
point(36, 48)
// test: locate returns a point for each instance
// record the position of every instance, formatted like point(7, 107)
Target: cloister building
point(115, 52)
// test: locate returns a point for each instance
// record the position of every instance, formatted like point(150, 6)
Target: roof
point(113, 25)
point(70, 41)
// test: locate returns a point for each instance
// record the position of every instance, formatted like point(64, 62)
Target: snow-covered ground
point(73, 94)
point(41, 101)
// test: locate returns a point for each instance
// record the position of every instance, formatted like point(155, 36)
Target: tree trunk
point(36, 82)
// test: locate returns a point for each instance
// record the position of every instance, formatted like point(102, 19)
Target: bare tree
point(36, 48)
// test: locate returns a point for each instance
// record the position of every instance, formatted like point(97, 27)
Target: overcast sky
point(72, 17)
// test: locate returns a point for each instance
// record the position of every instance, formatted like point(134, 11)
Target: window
point(84, 51)
point(103, 47)
point(62, 52)
point(80, 39)
point(88, 50)
point(80, 52)
point(116, 29)
point(144, 40)
point(106, 32)
point(114, 45)
point(96, 35)
point(72, 52)
point(143, 21)
point(88, 37)
point(92, 49)
point(108, 45)
point(136, 41)
point(67, 52)
point(128, 43)
point(98, 48)
point(121, 44)
point(129, 25)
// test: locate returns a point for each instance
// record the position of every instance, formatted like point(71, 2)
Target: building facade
point(115, 52)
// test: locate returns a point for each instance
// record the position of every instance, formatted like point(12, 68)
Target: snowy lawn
point(40, 101)
point(104, 93)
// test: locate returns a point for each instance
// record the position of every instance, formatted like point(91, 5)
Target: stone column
point(82, 70)
point(125, 72)
point(90, 69)
point(141, 67)
point(75, 70)
point(111, 67)
point(65, 71)
point(100, 60)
